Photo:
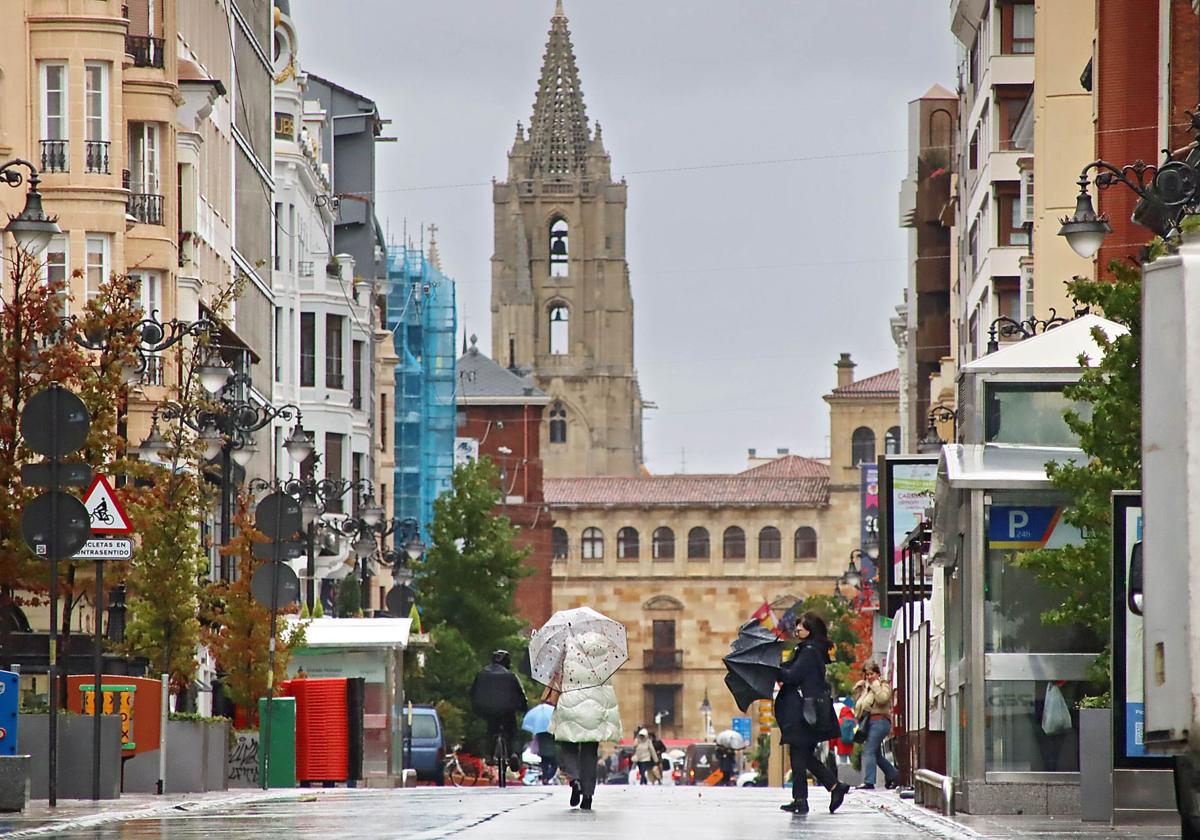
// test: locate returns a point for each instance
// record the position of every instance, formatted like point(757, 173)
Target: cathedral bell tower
point(562, 309)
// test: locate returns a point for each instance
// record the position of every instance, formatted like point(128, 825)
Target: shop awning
point(1000, 466)
point(354, 633)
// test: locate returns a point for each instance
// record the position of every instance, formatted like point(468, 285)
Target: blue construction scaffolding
point(422, 317)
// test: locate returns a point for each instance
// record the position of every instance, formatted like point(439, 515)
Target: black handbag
point(820, 719)
point(863, 727)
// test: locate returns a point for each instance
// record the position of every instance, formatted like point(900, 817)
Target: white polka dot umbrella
point(578, 648)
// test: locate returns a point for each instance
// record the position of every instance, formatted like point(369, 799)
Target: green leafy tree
point(465, 591)
point(349, 597)
point(1111, 437)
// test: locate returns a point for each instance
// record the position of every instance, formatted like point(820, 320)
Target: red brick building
point(500, 417)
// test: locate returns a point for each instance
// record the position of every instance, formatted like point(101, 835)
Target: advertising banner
point(906, 490)
point(1129, 705)
point(868, 535)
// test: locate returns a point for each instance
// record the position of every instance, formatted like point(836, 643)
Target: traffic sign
point(288, 550)
point(278, 516)
point(69, 475)
point(55, 525)
point(104, 509)
point(55, 422)
point(118, 549)
point(284, 580)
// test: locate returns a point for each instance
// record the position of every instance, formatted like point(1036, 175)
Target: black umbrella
point(753, 664)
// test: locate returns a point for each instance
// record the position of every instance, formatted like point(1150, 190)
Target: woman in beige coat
point(873, 694)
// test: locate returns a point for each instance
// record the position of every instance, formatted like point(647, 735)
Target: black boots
point(837, 795)
point(586, 804)
point(576, 793)
point(796, 806)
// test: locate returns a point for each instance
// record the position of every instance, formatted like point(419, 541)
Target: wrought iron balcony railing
point(95, 156)
point(146, 51)
point(56, 156)
point(146, 208)
point(662, 659)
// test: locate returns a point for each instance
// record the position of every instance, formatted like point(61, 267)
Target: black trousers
point(805, 761)
point(578, 761)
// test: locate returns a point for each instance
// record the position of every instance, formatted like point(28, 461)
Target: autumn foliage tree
point(237, 628)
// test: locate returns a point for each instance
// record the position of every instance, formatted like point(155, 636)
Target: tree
point(1111, 437)
point(465, 589)
point(237, 628)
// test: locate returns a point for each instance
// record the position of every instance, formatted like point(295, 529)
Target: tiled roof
point(481, 381)
point(880, 385)
point(789, 466)
point(671, 490)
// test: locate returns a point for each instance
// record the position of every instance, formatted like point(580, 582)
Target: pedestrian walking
point(801, 713)
point(664, 763)
point(584, 717)
point(644, 756)
point(548, 750)
point(873, 697)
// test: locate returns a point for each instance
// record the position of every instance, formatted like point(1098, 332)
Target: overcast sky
point(751, 270)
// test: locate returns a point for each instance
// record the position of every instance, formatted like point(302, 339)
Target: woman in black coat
point(804, 676)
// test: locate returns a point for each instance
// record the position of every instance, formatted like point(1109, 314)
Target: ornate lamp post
point(32, 229)
point(227, 430)
point(706, 711)
point(1167, 193)
point(932, 442)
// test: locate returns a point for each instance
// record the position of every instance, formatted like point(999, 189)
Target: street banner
point(868, 532)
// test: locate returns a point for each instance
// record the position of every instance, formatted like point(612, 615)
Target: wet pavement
point(620, 813)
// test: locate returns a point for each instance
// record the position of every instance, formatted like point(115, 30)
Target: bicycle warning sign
point(104, 510)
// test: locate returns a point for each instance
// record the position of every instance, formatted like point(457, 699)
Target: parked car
point(698, 762)
point(428, 749)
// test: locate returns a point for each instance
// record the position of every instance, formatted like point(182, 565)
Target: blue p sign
point(9, 683)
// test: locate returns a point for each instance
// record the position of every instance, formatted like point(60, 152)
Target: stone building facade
point(683, 560)
point(562, 308)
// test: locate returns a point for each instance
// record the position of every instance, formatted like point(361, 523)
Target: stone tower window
point(734, 543)
point(560, 544)
point(806, 543)
point(559, 253)
point(698, 544)
point(560, 317)
point(558, 424)
point(663, 547)
point(769, 544)
point(592, 544)
point(862, 446)
point(628, 544)
point(891, 441)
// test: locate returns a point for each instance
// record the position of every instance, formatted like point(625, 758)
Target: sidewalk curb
point(918, 817)
point(155, 811)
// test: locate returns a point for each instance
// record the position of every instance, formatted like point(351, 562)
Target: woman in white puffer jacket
point(583, 717)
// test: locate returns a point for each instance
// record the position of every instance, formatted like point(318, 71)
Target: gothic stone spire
point(558, 132)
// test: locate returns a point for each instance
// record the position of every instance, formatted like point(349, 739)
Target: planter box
point(1095, 765)
point(14, 782)
point(197, 754)
point(74, 755)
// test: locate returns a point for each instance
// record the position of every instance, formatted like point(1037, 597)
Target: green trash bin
point(282, 748)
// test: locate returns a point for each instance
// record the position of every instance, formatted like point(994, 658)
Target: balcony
point(95, 157)
point(146, 208)
point(146, 51)
point(662, 659)
point(304, 268)
point(56, 156)
point(153, 374)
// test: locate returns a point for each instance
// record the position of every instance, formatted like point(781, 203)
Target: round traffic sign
point(55, 422)
point(282, 579)
point(278, 516)
point(55, 525)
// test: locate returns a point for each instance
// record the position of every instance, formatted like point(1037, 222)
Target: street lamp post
point(227, 431)
point(1167, 193)
point(32, 229)
point(706, 711)
point(932, 442)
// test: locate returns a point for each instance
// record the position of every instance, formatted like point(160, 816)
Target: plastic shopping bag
point(1056, 717)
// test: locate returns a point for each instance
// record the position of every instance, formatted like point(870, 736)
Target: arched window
point(592, 544)
point(559, 253)
point(770, 544)
point(733, 543)
point(627, 544)
point(862, 446)
point(891, 441)
point(560, 332)
point(663, 545)
point(560, 544)
point(698, 544)
point(806, 543)
point(558, 423)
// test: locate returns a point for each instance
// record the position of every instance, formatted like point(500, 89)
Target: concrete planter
point(74, 755)
point(14, 782)
point(1095, 765)
point(197, 755)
